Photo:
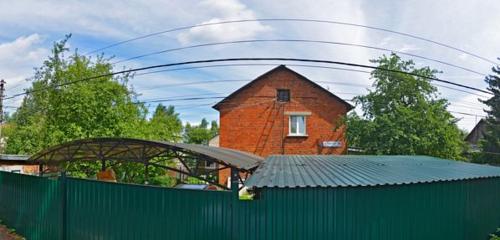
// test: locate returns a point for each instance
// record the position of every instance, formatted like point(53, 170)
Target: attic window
point(283, 95)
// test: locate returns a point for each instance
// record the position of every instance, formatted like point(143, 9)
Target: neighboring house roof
point(292, 171)
point(214, 142)
point(13, 159)
point(282, 67)
point(477, 133)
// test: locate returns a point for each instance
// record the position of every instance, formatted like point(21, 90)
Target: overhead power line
point(315, 66)
point(299, 41)
point(293, 65)
point(178, 99)
point(248, 59)
point(468, 114)
point(469, 105)
point(223, 97)
point(249, 64)
point(414, 36)
point(182, 98)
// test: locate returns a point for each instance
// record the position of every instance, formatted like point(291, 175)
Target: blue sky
point(30, 27)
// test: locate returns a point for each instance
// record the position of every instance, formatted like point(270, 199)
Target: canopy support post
point(146, 174)
point(40, 170)
point(235, 182)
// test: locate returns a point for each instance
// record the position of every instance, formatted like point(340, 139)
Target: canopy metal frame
point(149, 153)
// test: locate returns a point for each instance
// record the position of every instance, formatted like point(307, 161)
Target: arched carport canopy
point(147, 152)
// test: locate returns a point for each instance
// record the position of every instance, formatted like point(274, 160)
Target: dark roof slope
point(128, 149)
point(282, 67)
point(291, 171)
point(476, 133)
point(11, 159)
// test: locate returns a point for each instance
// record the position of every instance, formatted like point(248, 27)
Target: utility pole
point(2, 90)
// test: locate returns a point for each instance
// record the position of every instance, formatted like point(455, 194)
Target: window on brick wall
point(283, 95)
point(297, 125)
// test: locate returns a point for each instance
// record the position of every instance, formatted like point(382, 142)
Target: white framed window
point(297, 125)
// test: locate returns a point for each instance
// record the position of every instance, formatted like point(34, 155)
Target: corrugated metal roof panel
point(13, 157)
point(239, 159)
point(356, 170)
point(129, 149)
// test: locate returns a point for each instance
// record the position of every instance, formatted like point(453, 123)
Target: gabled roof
point(476, 133)
point(291, 171)
point(278, 68)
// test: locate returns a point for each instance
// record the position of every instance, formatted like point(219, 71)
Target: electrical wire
point(292, 65)
point(299, 41)
point(467, 114)
point(295, 20)
point(249, 59)
point(248, 64)
point(173, 99)
point(179, 99)
point(185, 107)
point(185, 95)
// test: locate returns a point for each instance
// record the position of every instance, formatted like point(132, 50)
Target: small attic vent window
point(283, 95)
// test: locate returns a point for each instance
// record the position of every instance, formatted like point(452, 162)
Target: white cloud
point(17, 60)
point(21, 49)
point(19, 57)
point(408, 48)
point(463, 56)
point(224, 10)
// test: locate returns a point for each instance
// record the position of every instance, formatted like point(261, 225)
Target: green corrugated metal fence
point(99, 210)
point(31, 205)
point(459, 210)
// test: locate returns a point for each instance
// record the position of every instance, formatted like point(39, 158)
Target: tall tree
point(403, 114)
point(165, 125)
point(200, 134)
point(55, 111)
point(490, 145)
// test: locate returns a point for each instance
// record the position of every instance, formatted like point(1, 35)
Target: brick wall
point(253, 121)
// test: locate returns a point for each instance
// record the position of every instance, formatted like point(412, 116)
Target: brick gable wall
point(253, 121)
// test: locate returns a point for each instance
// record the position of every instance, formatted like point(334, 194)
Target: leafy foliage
point(55, 112)
point(165, 125)
point(495, 236)
point(403, 114)
point(490, 145)
point(200, 134)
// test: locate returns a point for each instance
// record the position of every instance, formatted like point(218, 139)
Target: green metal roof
point(356, 170)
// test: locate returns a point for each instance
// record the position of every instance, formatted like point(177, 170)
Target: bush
point(495, 236)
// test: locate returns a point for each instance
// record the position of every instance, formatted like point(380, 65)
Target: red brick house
point(282, 112)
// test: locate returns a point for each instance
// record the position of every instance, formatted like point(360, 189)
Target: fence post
point(234, 201)
point(234, 182)
point(63, 205)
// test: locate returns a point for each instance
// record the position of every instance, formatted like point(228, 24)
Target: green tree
point(490, 145)
point(403, 114)
point(200, 134)
point(165, 125)
point(54, 111)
